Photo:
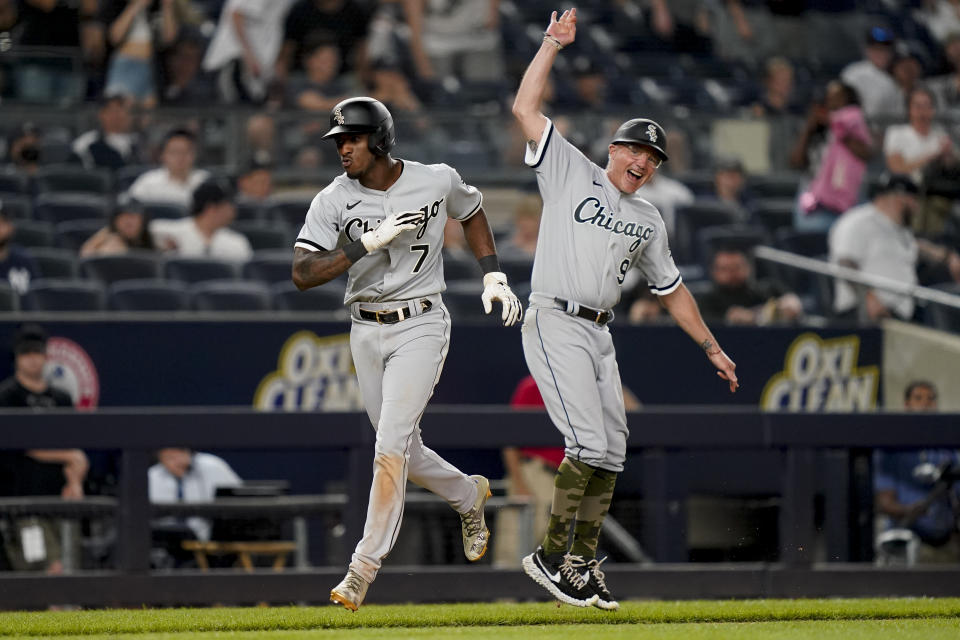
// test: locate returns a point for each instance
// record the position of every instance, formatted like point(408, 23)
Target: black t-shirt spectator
point(59, 27)
point(19, 474)
point(715, 302)
point(348, 25)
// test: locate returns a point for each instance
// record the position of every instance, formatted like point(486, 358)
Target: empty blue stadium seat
point(230, 295)
point(194, 270)
point(64, 295)
point(127, 266)
point(147, 295)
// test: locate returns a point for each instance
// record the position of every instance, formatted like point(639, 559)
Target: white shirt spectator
point(907, 141)
point(878, 246)
point(185, 239)
point(879, 94)
point(206, 473)
point(157, 185)
point(263, 28)
point(666, 194)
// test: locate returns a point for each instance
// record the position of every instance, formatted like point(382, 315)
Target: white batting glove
point(394, 225)
point(495, 288)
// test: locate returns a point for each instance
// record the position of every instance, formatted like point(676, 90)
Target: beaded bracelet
point(549, 38)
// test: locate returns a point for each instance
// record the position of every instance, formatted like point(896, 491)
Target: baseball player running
point(382, 221)
point(594, 229)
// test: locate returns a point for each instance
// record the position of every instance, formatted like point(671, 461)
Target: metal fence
point(817, 450)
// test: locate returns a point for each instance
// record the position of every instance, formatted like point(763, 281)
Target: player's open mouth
point(634, 174)
point(345, 162)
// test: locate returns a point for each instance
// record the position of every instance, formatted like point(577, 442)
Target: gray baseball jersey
point(410, 266)
point(398, 364)
point(591, 234)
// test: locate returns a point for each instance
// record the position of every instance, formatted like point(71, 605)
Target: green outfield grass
point(747, 619)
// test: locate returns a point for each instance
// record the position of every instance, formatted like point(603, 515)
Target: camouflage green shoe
point(476, 536)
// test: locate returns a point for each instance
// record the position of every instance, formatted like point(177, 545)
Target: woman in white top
point(922, 149)
point(136, 30)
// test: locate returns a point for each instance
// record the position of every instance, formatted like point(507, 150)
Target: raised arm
point(526, 106)
point(683, 308)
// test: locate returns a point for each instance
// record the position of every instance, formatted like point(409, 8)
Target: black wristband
point(489, 263)
point(354, 251)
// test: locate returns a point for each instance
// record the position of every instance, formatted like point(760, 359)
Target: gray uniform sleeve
point(556, 162)
point(463, 200)
point(321, 229)
point(656, 263)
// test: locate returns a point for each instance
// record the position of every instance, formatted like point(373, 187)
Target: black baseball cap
point(30, 338)
point(896, 182)
point(213, 191)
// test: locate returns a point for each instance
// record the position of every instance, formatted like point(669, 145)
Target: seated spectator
point(261, 141)
point(321, 86)
point(907, 71)
point(113, 144)
point(183, 83)
point(666, 194)
point(17, 267)
point(876, 238)
point(589, 89)
point(245, 47)
point(730, 186)
point(923, 149)
point(871, 78)
point(130, 32)
point(127, 230)
point(205, 233)
point(176, 180)
point(836, 184)
point(904, 495)
point(348, 20)
point(182, 475)
point(24, 148)
point(778, 97)
point(255, 182)
point(736, 298)
point(522, 243)
point(36, 472)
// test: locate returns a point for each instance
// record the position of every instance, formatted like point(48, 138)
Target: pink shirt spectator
point(837, 183)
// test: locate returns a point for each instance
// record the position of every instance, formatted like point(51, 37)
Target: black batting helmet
point(364, 115)
point(645, 132)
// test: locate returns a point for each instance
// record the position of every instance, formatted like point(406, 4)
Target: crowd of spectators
point(856, 91)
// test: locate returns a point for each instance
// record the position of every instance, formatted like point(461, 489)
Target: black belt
point(593, 315)
point(392, 316)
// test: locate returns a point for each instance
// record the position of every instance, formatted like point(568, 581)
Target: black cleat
point(598, 585)
point(565, 577)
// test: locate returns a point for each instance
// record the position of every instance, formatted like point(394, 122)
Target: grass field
point(927, 619)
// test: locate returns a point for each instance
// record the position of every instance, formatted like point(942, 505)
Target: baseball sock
point(593, 509)
point(568, 487)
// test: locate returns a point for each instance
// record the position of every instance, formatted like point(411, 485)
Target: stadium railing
point(813, 446)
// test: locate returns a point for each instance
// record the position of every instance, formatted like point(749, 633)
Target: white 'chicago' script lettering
point(590, 211)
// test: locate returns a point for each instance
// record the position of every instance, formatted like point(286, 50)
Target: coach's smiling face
point(630, 166)
point(355, 155)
